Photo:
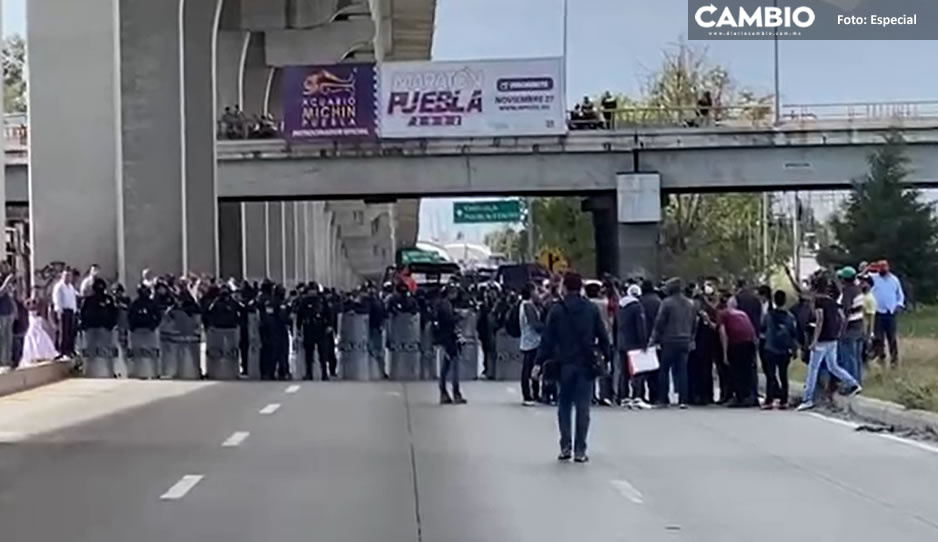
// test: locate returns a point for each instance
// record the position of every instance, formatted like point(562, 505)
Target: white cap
point(634, 290)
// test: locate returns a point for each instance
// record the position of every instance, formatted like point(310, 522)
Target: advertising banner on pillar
point(469, 99)
point(330, 102)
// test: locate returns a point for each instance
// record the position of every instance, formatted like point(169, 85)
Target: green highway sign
point(476, 212)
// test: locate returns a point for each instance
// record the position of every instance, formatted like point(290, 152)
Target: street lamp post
point(778, 100)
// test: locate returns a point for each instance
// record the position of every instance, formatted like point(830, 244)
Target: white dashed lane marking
point(270, 409)
point(235, 439)
point(628, 491)
point(182, 487)
point(292, 389)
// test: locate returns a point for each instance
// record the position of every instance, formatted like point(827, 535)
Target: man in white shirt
point(65, 305)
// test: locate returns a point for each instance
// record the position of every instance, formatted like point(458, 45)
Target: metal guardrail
point(16, 131)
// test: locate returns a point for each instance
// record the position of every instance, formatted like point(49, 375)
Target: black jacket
point(98, 311)
point(447, 327)
point(223, 313)
point(631, 328)
point(651, 304)
point(144, 313)
point(574, 328)
point(749, 303)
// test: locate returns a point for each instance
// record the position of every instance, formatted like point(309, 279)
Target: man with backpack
point(569, 344)
point(780, 332)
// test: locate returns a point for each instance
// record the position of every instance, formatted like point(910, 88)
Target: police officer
point(312, 317)
point(275, 333)
point(97, 318)
point(402, 300)
point(143, 312)
point(223, 312)
point(248, 305)
point(377, 314)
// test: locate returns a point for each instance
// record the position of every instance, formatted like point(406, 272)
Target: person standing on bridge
point(573, 334)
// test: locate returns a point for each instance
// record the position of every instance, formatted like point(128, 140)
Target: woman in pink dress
point(37, 346)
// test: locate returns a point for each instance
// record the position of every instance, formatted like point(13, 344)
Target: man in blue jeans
point(829, 319)
point(850, 347)
point(673, 330)
point(571, 338)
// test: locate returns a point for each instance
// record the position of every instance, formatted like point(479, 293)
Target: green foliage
point(884, 219)
point(559, 223)
point(14, 74)
point(720, 234)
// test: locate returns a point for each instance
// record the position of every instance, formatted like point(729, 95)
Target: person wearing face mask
point(890, 300)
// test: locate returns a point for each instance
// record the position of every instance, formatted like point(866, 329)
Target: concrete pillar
point(309, 13)
point(254, 75)
point(254, 244)
point(150, 216)
point(230, 239)
point(289, 242)
point(275, 259)
point(605, 224)
point(263, 14)
point(638, 198)
point(231, 49)
point(299, 232)
point(273, 102)
point(74, 138)
point(200, 222)
point(3, 181)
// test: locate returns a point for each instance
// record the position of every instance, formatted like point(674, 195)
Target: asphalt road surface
point(119, 461)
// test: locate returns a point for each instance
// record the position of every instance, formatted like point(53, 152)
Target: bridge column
point(289, 243)
point(230, 239)
point(74, 152)
point(639, 215)
point(254, 76)
point(232, 45)
point(275, 247)
point(254, 240)
point(299, 232)
point(200, 223)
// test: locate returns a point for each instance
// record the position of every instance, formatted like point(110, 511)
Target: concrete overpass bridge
point(124, 98)
point(266, 188)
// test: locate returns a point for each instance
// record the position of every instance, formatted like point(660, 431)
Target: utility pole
point(778, 99)
point(529, 204)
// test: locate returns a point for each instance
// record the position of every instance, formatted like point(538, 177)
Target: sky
point(616, 44)
point(14, 17)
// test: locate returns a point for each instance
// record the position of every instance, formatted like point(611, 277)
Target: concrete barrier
point(34, 376)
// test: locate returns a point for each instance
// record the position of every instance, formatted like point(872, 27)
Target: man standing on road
point(631, 335)
point(573, 333)
point(674, 331)
point(890, 299)
point(65, 306)
point(449, 339)
point(823, 345)
point(739, 353)
point(531, 327)
point(8, 314)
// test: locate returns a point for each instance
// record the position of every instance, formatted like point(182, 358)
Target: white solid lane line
point(910, 442)
point(235, 439)
point(183, 486)
point(393, 393)
point(511, 389)
point(292, 389)
point(837, 421)
point(628, 491)
point(894, 438)
point(270, 409)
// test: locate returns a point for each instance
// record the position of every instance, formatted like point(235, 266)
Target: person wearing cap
point(851, 341)
point(890, 299)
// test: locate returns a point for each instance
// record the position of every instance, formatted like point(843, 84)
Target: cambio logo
point(760, 17)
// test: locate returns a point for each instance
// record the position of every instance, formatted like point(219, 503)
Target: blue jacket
point(574, 327)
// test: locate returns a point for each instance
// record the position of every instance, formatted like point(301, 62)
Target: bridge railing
point(860, 111)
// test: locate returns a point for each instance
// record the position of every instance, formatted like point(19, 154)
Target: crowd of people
point(580, 344)
point(587, 339)
point(235, 124)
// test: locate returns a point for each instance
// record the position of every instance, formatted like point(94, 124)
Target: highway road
point(124, 461)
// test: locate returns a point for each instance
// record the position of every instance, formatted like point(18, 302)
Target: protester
point(37, 345)
point(85, 288)
point(7, 319)
point(573, 333)
point(673, 331)
point(631, 336)
point(738, 337)
point(531, 327)
point(65, 305)
point(890, 300)
point(781, 333)
point(828, 319)
point(850, 348)
point(450, 341)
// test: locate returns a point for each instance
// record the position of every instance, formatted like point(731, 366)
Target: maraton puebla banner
point(330, 102)
point(469, 99)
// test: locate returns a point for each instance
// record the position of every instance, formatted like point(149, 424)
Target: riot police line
point(191, 330)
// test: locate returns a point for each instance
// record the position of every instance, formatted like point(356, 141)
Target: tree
point(507, 241)
point(560, 223)
point(883, 219)
point(14, 74)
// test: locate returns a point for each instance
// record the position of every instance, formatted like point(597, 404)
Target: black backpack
point(779, 332)
point(513, 320)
